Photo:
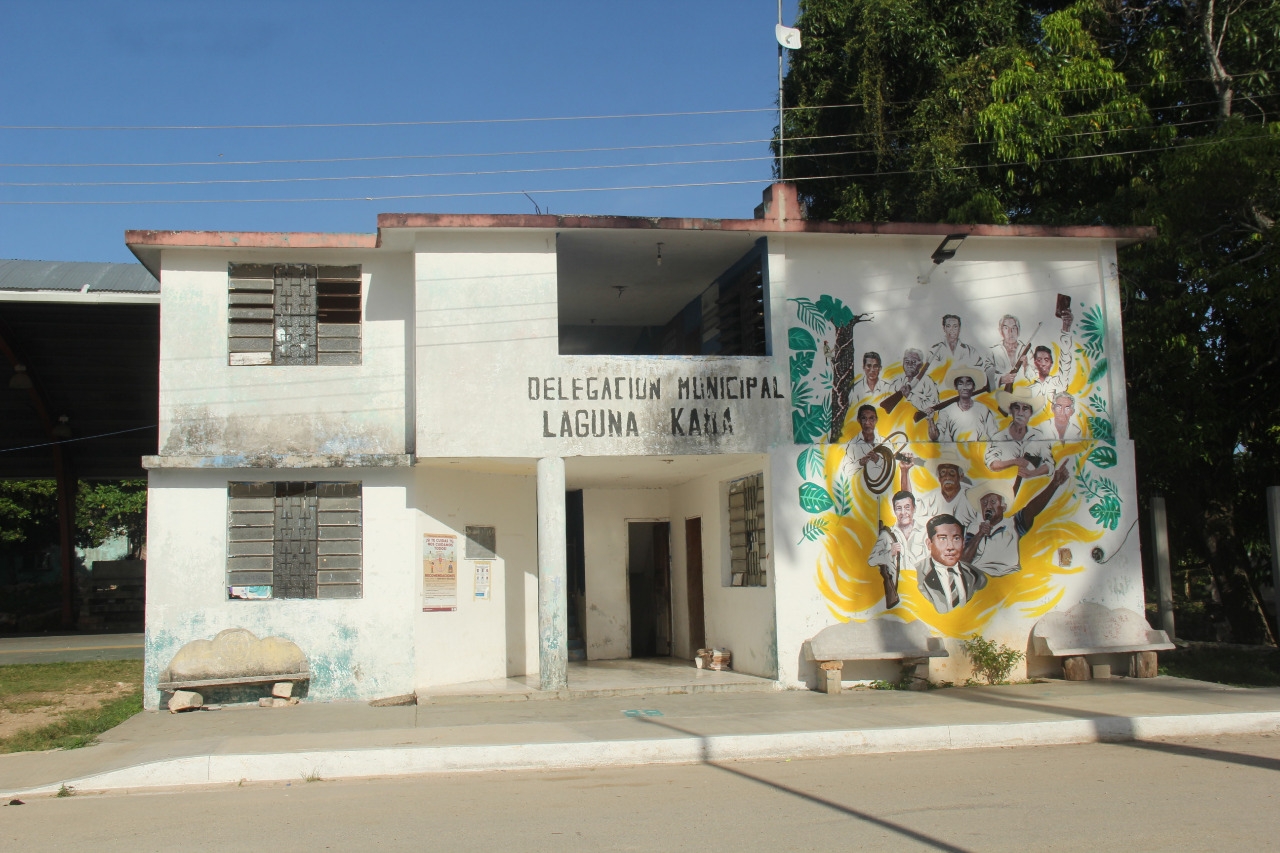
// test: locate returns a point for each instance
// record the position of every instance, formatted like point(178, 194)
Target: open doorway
point(649, 587)
point(693, 577)
point(576, 575)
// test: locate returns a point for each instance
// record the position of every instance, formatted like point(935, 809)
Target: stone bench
point(880, 639)
point(233, 658)
point(1094, 629)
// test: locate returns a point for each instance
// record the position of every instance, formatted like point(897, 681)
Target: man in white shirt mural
point(966, 419)
point(1044, 384)
point(868, 388)
point(913, 385)
point(1019, 445)
point(953, 352)
point(993, 543)
point(899, 545)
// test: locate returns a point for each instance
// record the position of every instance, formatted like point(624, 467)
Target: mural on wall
point(961, 478)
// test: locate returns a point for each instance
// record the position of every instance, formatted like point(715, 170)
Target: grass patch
point(1238, 667)
point(22, 686)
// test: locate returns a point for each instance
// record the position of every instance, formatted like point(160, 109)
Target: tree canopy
point(1093, 112)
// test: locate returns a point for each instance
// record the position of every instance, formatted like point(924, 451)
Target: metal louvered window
point(294, 540)
point(746, 531)
point(293, 314)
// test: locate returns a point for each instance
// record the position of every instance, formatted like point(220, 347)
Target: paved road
point(1205, 794)
point(70, 647)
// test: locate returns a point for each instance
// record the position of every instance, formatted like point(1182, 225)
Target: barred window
point(294, 540)
point(293, 314)
point(746, 531)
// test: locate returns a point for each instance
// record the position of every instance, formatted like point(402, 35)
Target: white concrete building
point(374, 444)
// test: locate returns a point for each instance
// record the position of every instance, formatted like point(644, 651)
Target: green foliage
point(108, 509)
point(993, 661)
point(801, 364)
point(814, 499)
point(1093, 332)
point(1103, 457)
point(28, 512)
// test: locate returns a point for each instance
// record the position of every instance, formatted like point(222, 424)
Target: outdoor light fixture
point(947, 248)
point(63, 429)
point(20, 381)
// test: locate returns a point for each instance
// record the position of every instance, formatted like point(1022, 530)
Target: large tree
point(1092, 112)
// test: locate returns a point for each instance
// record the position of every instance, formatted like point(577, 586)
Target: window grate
point(746, 531)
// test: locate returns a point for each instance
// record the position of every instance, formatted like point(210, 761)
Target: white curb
point(416, 760)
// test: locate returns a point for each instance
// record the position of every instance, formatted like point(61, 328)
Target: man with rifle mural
point(1019, 445)
point(962, 418)
point(901, 545)
point(914, 385)
point(1008, 359)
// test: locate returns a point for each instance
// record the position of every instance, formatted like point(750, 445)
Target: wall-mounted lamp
point(20, 381)
point(947, 248)
point(63, 429)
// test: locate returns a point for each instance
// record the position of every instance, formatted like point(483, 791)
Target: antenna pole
point(781, 130)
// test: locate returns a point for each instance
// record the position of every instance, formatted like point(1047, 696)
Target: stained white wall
point(482, 639)
point(605, 515)
point(210, 408)
point(740, 619)
point(357, 649)
point(487, 331)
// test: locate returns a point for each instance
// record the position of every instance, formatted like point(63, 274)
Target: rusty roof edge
point(767, 225)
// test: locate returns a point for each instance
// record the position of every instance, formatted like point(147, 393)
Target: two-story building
point(694, 431)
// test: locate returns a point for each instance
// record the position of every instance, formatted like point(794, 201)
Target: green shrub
point(993, 661)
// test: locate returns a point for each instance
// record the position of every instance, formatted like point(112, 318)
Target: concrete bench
point(880, 639)
point(234, 657)
point(1094, 629)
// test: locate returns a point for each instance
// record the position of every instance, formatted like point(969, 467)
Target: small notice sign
point(484, 570)
point(439, 572)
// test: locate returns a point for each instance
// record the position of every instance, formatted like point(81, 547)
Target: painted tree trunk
point(841, 378)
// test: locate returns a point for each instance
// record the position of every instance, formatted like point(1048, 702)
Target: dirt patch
point(32, 710)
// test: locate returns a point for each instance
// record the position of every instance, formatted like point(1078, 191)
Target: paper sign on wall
point(484, 570)
point(439, 572)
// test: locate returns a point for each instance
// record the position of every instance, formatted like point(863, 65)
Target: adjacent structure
point(449, 451)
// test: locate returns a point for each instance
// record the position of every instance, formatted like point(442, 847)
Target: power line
point(78, 438)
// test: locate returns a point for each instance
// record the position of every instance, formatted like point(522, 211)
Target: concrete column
point(1164, 574)
point(553, 602)
point(1273, 517)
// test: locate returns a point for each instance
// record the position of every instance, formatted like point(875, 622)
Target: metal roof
point(76, 276)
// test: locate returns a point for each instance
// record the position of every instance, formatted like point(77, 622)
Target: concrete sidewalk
point(349, 740)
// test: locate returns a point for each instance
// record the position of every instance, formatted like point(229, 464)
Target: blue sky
point(71, 66)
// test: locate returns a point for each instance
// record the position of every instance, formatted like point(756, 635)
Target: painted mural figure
point(902, 544)
point(954, 352)
point(1064, 427)
point(1003, 368)
point(913, 385)
point(1044, 384)
point(950, 498)
point(964, 419)
point(943, 576)
point(858, 451)
point(868, 388)
point(992, 546)
point(1019, 445)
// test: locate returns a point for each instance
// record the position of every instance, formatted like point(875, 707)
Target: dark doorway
point(576, 571)
point(693, 576)
point(649, 587)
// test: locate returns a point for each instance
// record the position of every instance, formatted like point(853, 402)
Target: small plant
point(312, 776)
point(66, 791)
point(993, 661)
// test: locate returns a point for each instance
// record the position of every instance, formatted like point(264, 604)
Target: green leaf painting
point(1103, 457)
point(809, 463)
point(801, 395)
point(1099, 370)
point(1093, 330)
point(1107, 512)
point(809, 423)
point(842, 494)
point(800, 339)
point(1101, 430)
point(809, 314)
point(801, 364)
point(1099, 405)
point(835, 311)
point(814, 499)
point(813, 529)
